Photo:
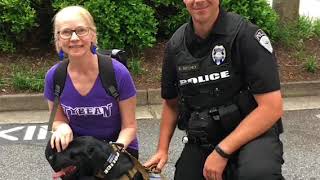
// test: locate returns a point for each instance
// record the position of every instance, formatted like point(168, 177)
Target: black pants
point(260, 159)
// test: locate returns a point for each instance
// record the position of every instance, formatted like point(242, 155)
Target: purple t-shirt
point(96, 114)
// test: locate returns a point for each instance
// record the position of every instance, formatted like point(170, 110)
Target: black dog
point(87, 158)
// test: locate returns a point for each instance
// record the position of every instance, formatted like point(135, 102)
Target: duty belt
point(202, 141)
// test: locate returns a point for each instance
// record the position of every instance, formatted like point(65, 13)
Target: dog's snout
point(51, 158)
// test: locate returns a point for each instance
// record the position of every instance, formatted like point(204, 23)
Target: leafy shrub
point(16, 18)
point(120, 24)
point(258, 12)
point(170, 14)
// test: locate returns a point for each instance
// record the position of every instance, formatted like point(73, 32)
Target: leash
point(147, 173)
point(138, 167)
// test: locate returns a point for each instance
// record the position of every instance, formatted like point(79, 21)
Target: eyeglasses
point(67, 33)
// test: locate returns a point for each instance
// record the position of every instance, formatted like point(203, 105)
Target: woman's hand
point(61, 137)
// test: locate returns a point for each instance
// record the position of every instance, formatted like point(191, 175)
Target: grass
point(316, 26)
point(134, 65)
point(311, 64)
point(294, 35)
point(1, 83)
point(33, 82)
point(26, 77)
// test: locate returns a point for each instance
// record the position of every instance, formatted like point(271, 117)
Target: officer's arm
point(168, 123)
point(267, 113)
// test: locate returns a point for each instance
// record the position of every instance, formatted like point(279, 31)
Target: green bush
point(170, 14)
point(120, 24)
point(16, 18)
point(258, 12)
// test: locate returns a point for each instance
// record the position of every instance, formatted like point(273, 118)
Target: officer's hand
point(159, 159)
point(214, 166)
point(61, 137)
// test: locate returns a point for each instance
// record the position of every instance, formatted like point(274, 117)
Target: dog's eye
point(50, 158)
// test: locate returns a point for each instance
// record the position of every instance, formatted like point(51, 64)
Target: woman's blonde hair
point(73, 10)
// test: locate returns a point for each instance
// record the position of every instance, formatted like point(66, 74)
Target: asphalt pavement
point(23, 133)
point(24, 159)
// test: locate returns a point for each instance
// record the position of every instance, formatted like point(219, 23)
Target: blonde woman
point(85, 108)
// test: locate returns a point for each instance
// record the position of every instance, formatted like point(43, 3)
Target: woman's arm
point(128, 121)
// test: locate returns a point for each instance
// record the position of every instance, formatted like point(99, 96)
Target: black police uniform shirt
point(249, 54)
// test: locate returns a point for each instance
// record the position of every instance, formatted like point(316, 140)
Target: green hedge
point(258, 12)
point(128, 24)
point(120, 24)
point(16, 18)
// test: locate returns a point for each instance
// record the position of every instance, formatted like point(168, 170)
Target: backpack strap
point(107, 75)
point(59, 79)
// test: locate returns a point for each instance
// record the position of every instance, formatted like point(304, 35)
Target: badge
point(218, 54)
point(264, 40)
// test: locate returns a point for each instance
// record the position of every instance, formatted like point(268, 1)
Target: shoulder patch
point(264, 40)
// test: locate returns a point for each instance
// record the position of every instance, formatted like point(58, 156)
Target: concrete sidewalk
point(146, 112)
point(26, 102)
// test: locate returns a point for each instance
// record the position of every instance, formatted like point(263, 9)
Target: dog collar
point(112, 160)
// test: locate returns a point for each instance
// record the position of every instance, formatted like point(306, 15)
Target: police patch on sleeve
point(264, 40)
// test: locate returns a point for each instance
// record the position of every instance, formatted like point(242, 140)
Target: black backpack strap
point(59, 79)
point(107, 75)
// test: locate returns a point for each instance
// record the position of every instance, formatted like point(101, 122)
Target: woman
point(85, 108)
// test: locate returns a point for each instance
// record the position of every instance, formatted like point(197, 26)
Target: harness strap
point(137, 167)
point(129, 175)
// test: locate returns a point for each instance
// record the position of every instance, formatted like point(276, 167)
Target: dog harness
point(112, 160)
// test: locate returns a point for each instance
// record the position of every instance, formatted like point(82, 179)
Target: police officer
point(221, 85)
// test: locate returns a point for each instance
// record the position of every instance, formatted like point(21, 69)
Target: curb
point(25, 102)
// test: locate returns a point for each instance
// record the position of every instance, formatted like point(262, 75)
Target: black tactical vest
point(204, 82)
